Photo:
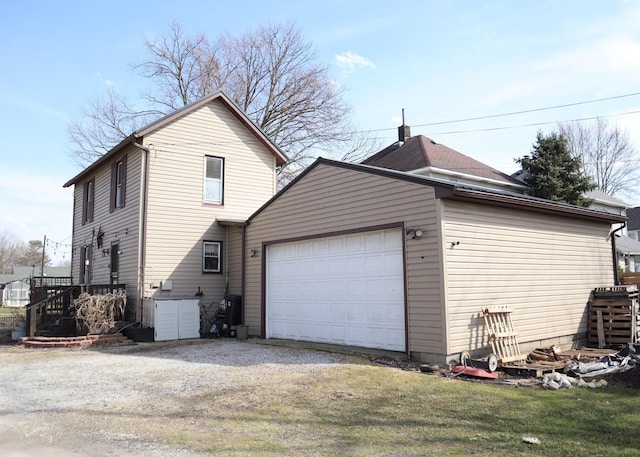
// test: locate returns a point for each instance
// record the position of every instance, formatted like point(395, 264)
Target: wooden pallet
point(540, 367)
point(613, 316)
point(502, 334)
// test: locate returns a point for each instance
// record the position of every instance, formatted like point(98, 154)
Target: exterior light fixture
point(417, 233)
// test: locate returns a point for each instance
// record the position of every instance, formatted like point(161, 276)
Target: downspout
point(142, 252)
point(614, 253)
point(243, 270)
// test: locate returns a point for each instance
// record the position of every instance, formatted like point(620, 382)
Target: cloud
point(106, 82)
point(349, 62)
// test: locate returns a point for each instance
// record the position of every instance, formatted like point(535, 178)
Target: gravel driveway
point(63, 402)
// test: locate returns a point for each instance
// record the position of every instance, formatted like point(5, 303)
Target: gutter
point(142, 252)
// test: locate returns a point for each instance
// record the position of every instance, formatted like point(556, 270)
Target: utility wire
point(491, 116)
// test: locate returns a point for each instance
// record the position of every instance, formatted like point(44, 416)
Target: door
point(345, 290)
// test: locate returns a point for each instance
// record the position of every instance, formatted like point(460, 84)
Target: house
point(423, 156)
point(162, 211)
point(633, 224)
point(361, 255)
point(15, 293)
point(16, 286)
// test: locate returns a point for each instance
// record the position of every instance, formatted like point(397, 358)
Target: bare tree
point(607, 155)
point(11, 249)
point(273, 75)
point(103, 124)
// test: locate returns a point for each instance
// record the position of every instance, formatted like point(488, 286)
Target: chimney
point(404, 131)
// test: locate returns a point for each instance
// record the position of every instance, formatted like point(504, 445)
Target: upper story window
point(211, 257)
point(213, 179)
point(89, 192)
point(118, 183)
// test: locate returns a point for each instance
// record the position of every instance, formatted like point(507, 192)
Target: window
point(87, 204)
point(214, 168)
point(211, 257)
point(86, 255)
point(118, 183)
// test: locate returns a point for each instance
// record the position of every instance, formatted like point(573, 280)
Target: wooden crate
point(613, 316)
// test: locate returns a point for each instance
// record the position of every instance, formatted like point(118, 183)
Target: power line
point(533, 124)
point(513, 113)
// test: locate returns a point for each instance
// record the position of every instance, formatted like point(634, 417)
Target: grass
point(7, 311)
point(368, 410)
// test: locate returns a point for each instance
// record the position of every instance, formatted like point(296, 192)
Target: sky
point(443, 62)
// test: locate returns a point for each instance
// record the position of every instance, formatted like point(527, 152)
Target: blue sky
point(439, 60)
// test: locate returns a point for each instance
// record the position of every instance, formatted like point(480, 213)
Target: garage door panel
point(341, 290)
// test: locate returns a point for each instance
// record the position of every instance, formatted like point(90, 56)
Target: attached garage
point(358, 255)
point(346, 289)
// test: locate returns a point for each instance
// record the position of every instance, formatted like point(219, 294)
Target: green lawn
point(365, 410)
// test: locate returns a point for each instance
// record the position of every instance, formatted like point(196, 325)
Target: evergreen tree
point(33, 256)
point(551, 172)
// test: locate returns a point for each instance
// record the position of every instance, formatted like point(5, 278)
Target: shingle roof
point(420, 152)
point(457, 191)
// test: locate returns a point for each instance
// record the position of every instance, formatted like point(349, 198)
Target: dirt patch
point(630, 378)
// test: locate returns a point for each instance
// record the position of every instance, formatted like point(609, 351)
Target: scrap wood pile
point(97, 314)
point(589, 363)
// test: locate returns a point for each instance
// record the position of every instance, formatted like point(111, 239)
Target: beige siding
point(330, 200)
point(121, 225)
point(178, 221)
point(233, 256)
point(543, 266)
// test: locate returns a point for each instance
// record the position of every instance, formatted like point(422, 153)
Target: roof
point(420, 152)
point(54, 272)
point(447, 189)
point(135, 137)
point(602, 197)
point(626, 245)
point(634, 218)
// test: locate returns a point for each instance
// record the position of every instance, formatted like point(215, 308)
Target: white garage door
point(340, 290)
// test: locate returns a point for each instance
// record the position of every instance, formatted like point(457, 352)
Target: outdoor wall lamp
point(417, 233)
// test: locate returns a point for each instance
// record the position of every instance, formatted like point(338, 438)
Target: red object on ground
point(475, 372)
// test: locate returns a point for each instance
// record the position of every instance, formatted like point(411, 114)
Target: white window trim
point(204, 269)
point(219, 181)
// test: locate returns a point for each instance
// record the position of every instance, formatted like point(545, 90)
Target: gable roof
point(281, 158)
point(462, 192)
point(420, 152)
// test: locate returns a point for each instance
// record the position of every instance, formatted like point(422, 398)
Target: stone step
point(74, 342)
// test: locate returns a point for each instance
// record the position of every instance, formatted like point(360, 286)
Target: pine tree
point(553, 173)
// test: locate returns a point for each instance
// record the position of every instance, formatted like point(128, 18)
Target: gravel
point(48, 395)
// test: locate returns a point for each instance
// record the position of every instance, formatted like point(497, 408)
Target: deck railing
point(55, 302)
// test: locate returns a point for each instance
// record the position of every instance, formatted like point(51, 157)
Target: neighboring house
point(359, 255)
point(633, 223)
point(15, 294)
point(161, 212)
point(628, 252)
point(16, 287)
point(423, 156)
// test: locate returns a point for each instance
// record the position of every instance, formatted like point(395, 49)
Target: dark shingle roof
point(421, 152)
